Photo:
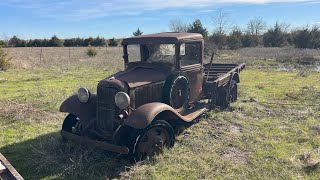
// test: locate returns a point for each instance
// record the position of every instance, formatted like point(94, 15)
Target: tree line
point(223, 36)
point(254, 34)
point(54, 41)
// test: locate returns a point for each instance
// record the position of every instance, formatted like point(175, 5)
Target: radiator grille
point(106, 108)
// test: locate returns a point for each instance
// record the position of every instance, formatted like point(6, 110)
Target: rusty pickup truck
point(165, 83)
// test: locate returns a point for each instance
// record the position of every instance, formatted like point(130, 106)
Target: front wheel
point(153, 140)
point(71, 124)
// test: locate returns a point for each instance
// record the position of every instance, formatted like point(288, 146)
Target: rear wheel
point(222, 97)
point(227, 94)
point(233, 95)
point(153, 140)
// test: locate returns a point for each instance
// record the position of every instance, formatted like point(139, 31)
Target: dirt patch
point(18, 111)
point(236, 128)
point(235, 155)
point(2, 80)
point(311, 160)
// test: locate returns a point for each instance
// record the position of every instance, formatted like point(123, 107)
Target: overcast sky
point(30, 19)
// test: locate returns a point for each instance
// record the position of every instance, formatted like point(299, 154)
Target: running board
point(95, 143)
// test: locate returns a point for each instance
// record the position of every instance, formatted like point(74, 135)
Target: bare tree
point(285, 27)
point(256, 26)
point(221, 22)
point(177, 25)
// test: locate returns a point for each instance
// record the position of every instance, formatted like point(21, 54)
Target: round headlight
point(83, 94)
point(122, 100)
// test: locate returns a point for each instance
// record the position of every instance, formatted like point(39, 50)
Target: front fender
point(84, 111)
point(143, 115)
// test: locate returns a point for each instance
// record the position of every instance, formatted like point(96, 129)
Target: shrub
point(2, 43)
point(98, 42)
point(275, 37)
point(307, 38)
point(249, 40)
point(16, 42)
point(112, 42)
point(234, 39)
point(220, 39)
point(91, 51)
point(4, 60)
point(69, 42)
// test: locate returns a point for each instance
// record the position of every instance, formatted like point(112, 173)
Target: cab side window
point(190, 53)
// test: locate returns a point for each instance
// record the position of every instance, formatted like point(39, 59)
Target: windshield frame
point(176, 55)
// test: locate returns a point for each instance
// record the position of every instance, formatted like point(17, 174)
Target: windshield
point(153, 53)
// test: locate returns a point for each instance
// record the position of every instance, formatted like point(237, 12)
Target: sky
point(30, 19)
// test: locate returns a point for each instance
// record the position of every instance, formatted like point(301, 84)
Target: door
point(191, 66)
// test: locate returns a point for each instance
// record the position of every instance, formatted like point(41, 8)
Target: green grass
point(249, 140)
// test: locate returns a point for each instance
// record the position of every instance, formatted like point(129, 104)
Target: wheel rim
point(152, 142)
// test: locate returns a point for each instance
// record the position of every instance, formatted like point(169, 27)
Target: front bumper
point(95, 143)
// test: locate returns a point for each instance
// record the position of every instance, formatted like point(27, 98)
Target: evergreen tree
point(234, 39)
point(275, 37)
point(138, 32)
point(196, 27)
point(16, 42)
point(249, 40)
point(98, 42)
point(55, 42)
point(88, 41)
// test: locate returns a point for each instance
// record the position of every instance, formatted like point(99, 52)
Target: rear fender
point(84, 111)
point(145, 114)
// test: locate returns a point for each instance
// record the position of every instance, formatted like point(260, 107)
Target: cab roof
point(163, 38)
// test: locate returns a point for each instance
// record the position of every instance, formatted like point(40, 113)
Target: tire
point(227, 95)
point(233, 95)
point(69, 122)
point(176, 93)
point(152, 140)
point(222, 97)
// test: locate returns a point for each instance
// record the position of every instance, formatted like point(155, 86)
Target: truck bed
point(218, 71)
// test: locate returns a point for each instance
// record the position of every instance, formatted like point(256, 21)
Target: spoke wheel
point(153, 140)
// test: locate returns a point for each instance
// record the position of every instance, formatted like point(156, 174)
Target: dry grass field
point(272, 132)
point(33, 57)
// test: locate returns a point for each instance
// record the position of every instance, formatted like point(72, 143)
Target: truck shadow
point(46, 156)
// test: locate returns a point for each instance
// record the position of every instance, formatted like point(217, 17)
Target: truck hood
point(143, 75)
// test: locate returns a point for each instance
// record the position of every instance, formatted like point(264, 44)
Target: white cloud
point(84, 9)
